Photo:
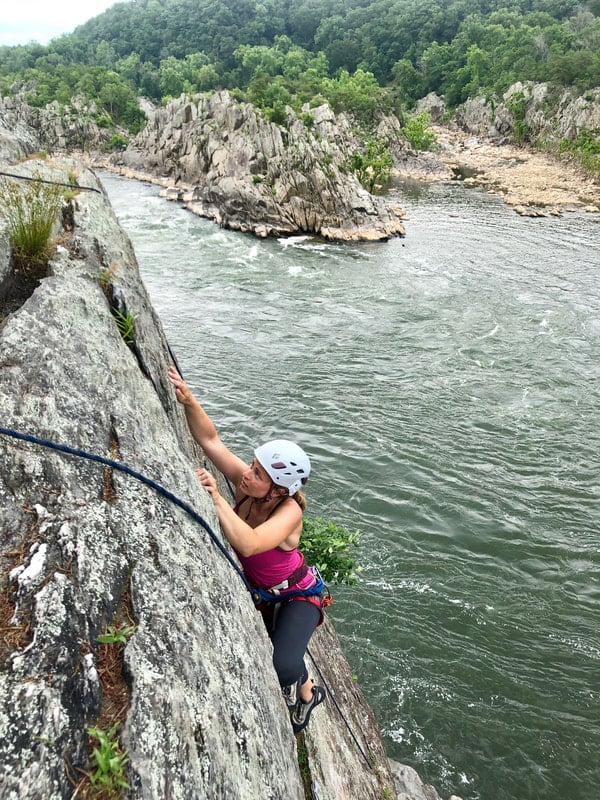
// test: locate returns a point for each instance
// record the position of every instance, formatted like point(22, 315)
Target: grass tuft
point(30, 210)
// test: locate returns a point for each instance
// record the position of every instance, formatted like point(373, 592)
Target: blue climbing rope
point(109, 462)
point(257, 594)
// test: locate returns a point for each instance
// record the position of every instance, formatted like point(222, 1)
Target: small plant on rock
point(109, 760)
point(126, 326)
point(114, 635)
point(31, 210)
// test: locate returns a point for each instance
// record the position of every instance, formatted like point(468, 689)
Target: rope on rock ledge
point(109, 462)
point(52, 183)
point(120, 467)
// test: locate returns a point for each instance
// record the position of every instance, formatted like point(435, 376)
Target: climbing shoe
point(291, 694)
point(301, 713)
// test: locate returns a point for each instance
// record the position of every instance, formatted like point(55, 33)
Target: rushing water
point(447, 388)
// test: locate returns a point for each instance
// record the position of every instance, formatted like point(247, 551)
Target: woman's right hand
point(182, 392)
point(210, 484)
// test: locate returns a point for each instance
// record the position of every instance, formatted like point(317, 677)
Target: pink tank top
point(271, 567)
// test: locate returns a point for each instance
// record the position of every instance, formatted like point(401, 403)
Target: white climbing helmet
point(285, 462)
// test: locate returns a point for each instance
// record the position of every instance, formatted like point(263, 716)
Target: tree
point(358, 94)
point(406, 80)
point(172, 76)
point(417, 131)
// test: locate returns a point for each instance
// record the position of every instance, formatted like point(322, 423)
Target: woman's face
point(255, 481)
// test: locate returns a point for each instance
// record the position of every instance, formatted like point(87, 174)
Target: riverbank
point(531, 182)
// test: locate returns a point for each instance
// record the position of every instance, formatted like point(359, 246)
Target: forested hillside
point(359, 55)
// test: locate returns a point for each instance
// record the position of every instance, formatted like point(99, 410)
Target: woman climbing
point(264, 529)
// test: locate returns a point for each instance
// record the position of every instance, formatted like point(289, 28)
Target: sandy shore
point(533, 183)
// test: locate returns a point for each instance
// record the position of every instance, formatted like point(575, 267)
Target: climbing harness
point(52, 183)
point(260, 595)
point(120, 467)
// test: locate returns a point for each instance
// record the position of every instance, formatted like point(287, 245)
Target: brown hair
point(300, 498)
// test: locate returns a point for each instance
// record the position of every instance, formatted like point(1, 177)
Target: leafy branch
point(329, 547)
point(373, 166)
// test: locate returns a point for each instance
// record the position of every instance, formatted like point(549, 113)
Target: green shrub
point(585, 148)
point(418, 133)
point(328, 546)
point(31, 210)
point(277, 114)
point(373, 166)
point(517, 104)
point(118, 142)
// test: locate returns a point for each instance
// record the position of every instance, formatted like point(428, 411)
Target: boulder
point(434, 105)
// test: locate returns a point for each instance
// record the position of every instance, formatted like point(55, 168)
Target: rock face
point(250, 174)
point(204, 717)
point(25, 130)
point(550, 118)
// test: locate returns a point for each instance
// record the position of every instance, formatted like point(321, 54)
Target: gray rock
point(249, 174)
point(205, 718)
point(434, 105)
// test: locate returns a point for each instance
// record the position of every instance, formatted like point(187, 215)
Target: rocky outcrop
point(25, 130)
point(232, 165)
point(19, 136)
point(548, 115)
point(82, 542)
point(476, 148)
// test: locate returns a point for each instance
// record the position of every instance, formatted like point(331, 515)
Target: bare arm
point(285, 525)
point(204, 432)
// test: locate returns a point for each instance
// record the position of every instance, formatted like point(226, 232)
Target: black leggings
point(295, 623)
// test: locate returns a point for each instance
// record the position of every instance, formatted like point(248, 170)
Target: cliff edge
point(85, 543)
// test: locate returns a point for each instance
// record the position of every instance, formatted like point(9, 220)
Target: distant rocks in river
point(232, 165)
point(228, 163)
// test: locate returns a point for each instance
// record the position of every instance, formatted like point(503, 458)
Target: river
point(447, 388)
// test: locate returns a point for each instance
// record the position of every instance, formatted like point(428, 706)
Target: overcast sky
point(23, 21)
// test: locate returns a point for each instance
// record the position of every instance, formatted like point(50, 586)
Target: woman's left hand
point(209, 483)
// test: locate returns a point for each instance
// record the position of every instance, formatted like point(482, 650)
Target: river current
point(447, 388)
